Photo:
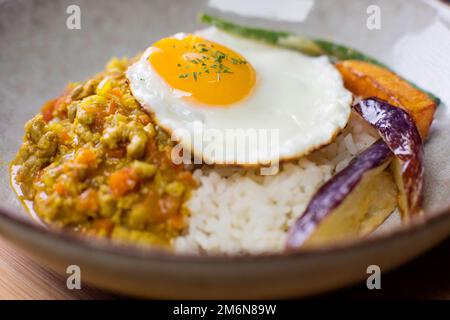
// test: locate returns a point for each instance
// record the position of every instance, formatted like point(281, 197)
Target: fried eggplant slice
point(360, 197)
point(366, 80)
point(309, 46)
point(399, 132)
point(352, 203)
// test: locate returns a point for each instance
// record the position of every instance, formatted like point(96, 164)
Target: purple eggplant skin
point(335, 191)
point(398, 130)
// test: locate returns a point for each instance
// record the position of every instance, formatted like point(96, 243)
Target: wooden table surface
point(427, 277)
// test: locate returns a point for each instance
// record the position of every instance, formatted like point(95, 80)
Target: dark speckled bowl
point(39, 55)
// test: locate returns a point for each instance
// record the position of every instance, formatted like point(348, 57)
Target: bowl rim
point(103, 245)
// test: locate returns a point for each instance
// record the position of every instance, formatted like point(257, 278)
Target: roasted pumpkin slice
point(365, 79)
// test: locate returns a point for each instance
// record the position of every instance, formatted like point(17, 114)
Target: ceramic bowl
point(39, 55)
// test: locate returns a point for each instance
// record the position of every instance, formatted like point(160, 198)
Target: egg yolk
point(210, 73)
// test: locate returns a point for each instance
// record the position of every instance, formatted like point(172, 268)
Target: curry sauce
point(94, 160)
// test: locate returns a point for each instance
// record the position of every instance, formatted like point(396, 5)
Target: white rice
point(236, 211)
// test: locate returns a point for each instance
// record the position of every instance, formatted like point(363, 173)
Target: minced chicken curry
point(93, 160)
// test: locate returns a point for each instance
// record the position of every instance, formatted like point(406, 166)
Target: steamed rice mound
point(237, 211)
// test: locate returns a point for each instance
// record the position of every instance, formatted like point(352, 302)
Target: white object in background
point(291, 10)
point(423, 57)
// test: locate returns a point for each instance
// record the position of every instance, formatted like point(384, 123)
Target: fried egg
point(211, 83)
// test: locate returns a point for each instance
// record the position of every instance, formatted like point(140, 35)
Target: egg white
point(300, 96)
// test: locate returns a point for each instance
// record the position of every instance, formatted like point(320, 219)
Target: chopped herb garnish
point(213, 61)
